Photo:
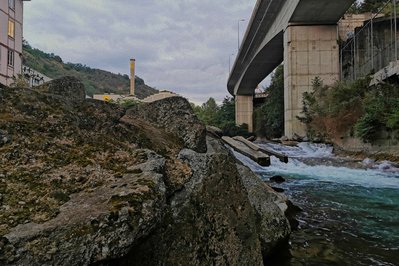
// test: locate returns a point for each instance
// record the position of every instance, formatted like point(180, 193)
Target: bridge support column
point(244, 111)
point(309, 52)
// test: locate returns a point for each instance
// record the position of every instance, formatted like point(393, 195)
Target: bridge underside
point(304, 34)
point(267, 60)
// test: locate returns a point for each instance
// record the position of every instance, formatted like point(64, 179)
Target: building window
point(11, 4)
point(11, 28)
point(10, 58)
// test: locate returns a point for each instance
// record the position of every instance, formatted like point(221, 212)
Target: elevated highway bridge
point(303, 34)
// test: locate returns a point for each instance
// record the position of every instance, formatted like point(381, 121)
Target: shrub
point(368, 126)
point(393, 119)
point(128, 103)
point(19, 82)
point(231, 129)
point(369, 110)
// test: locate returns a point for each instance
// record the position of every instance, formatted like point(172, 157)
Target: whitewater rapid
point(350, 208)
point(378, 175)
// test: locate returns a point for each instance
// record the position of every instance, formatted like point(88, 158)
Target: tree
point(355, 8)
point(226, 113)
point(371, 5)
point(207, 111)
point(222, 116)
point(269, 118)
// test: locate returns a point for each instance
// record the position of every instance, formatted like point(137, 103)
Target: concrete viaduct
point(303, 34)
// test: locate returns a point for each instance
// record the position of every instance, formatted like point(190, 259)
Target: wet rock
point(277, 179)
point(251, 138)
point(317, 140)
point(291, 213)
point(368, 162)
point(176, 116)
point(296, 137)
point(277, 189)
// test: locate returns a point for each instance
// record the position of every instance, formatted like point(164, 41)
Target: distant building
point(120, 98)
point(159, 96)
point(114, 97)
point(33, 77)
point(11, 25)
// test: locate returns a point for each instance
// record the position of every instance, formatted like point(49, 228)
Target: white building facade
point(11, 25)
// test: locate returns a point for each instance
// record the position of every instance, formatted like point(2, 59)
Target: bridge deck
point(262, 47)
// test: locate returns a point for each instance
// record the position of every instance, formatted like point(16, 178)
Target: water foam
point(304, 149)
point(383, 175)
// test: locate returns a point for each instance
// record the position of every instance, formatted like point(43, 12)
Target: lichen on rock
point(84, 182)
point(175, 115)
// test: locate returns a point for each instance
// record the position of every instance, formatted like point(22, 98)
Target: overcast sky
point(179, 45)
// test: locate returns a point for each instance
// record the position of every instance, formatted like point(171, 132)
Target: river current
point(350, 209)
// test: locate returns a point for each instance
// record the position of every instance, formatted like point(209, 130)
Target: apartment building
point(11, 22)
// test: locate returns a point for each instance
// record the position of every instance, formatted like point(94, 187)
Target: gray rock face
point(225, 215)
point(68, 87)
point(217, 132)
point(209, 222)
point(5, 138)
point(273, 227)
point(176, 116)
point(90, 185)
point(95, 225)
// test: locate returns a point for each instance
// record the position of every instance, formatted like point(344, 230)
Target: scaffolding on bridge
point(371, 47)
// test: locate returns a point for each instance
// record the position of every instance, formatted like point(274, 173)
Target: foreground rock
point(174, 114)
point(83, 182)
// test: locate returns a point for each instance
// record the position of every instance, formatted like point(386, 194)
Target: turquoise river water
point(350, 209)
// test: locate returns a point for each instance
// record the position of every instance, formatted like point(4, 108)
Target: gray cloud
point(180, 45)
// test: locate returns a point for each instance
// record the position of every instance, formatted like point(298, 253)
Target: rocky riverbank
point(87, 182)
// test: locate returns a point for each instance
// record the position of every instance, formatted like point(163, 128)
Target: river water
point(350, 209)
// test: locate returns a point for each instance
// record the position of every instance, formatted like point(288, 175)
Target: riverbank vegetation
point(364, 6)
point(268, 117)
point(351, 109)
point(221, 116)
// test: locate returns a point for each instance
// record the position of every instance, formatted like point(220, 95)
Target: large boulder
point(176, 116)
point(273, 227)
point(82, 183)
point(224, 215)
point(209, 222)
point(93, 225)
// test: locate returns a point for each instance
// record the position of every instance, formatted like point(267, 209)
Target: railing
point(372, 47)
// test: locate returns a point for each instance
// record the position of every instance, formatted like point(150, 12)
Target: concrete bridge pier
point(309, 51)
point(245, 110)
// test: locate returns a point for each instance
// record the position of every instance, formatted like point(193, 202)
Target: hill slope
point(95, 80)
